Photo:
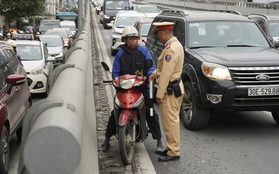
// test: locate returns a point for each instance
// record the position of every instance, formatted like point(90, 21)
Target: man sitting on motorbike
point(125, 63)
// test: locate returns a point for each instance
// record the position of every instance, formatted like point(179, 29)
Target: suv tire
point(192, 116)
point(275, 116)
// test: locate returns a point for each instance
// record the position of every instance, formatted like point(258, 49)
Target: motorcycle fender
point(127, 115)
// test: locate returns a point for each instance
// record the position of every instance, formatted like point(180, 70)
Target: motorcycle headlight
point(37, 71)
point(126, 83)
point(215, 71)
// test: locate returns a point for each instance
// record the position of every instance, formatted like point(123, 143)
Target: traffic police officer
point(170, 89)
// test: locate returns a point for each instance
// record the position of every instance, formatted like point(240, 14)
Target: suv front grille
point(255, 76)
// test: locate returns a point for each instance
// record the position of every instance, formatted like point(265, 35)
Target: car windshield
point(52, 42)
point(144, 29)
point(123, 22)
point(117, 5)
point(71, 27)
point(225, 34)
point(148, 10)
point(29, 52)
point(45, 27)
point(274, 28)
point(62, 34)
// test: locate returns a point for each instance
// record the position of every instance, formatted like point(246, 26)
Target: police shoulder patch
point(168, 58)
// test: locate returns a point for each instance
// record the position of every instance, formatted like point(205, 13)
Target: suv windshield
point(224, 33)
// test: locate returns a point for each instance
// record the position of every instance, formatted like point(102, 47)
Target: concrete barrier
point(59, 132)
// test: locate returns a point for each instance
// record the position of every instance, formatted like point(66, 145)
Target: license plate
point(263, 91)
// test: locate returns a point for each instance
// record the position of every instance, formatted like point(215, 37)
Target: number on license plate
point(263, 91)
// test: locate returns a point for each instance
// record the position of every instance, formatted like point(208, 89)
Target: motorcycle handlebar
point(107, 81)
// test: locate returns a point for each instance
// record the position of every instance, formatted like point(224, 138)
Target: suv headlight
point(37, 71)
point(215, 71)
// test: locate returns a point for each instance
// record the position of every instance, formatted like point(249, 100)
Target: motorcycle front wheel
point(126, 147)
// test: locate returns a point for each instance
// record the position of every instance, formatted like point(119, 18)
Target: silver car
point(56, 46)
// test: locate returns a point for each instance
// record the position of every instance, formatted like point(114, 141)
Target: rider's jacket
point(125, 61)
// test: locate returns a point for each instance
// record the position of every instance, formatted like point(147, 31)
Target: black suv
point(221, 73)
point(269, 24)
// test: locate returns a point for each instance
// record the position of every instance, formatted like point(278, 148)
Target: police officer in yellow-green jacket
point(170, 89)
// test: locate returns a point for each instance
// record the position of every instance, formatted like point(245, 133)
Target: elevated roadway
point(242, 7)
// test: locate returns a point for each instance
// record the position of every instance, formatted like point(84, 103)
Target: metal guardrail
point(53, 135)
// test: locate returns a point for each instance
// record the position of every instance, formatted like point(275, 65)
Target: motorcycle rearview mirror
point(105, 66)
point(148, 63)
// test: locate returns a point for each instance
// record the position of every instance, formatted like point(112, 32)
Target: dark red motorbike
point(129, 111)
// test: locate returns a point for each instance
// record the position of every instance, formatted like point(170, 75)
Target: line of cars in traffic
point(117, 15)
point(39, 54)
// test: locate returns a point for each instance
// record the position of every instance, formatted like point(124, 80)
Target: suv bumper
point(235, 98)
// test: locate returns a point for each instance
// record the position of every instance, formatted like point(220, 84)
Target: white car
point(122, 20)
point(69, 24)
point(37, 63)
point(150, 10)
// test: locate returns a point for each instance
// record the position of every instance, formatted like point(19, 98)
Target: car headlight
point(37, 71)
point(107, 17)
point(215, 71)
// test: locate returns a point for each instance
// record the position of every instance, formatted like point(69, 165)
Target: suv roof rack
point(260, 14)
point(228, 11)
point(174, 12)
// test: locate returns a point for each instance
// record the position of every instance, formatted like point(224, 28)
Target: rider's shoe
point(104, 147)
point(159, 147)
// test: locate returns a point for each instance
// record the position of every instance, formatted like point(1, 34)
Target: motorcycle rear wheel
point(126, 148)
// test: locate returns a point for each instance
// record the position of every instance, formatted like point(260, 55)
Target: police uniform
point(169, 70)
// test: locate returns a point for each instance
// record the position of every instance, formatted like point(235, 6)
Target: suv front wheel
point(275, 116)
point(192, 116)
